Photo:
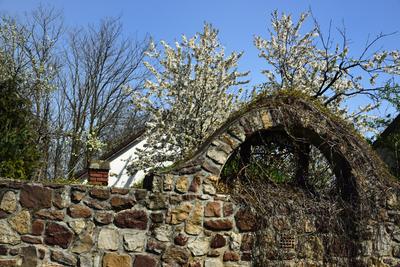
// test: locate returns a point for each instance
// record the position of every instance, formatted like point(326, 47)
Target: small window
point(287, 241)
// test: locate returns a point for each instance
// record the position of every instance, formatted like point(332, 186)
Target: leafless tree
point(102, 70)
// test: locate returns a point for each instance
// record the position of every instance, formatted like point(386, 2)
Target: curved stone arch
point(339, 142)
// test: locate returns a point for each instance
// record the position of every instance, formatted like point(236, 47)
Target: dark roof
point(393, 127)
point(123, 145)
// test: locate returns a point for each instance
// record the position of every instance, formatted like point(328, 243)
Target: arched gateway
point(358, 226)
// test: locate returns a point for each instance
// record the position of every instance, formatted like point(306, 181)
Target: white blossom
point(316, 66)
point(194, 89)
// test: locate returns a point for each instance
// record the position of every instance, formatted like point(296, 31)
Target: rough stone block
point(35, 197)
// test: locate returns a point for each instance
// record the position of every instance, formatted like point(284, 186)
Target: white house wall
point(118, 175)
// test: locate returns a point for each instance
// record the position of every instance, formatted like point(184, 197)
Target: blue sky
point(238, 21)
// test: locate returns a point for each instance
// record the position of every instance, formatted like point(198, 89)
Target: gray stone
point(9, 202)
point(199, 246)
point(213, 262)
point(209, 189)
point(237, 132)
point(134, 241)
point(163, 232)
point(78, 226)
point(176, 256)
point(382, 242)
point(235, 241)
point(61, 199)
point(222, 146)
point(108, 239)
point(217, 155)
point(63, 258)
point(212, 167)
point(86, 260)
point(83, 244)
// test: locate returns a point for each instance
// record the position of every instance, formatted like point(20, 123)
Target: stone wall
point(183, 221)
point(187, 224)
point(52, 225)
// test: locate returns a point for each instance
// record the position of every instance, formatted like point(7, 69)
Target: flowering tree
point(314, 64)
point(191, 94)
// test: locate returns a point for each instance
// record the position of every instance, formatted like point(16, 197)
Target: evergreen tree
point(18, 152)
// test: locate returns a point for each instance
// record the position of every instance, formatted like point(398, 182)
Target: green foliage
point(65, 181)
point(274, 157)
point(18, 153)
point(138, 184)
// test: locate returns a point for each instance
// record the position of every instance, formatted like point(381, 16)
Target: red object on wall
point(98, 172)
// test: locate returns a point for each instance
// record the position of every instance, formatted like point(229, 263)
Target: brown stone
point(31, 239)
point(63, 258)
point(246, 220)
point(228, 209)
point(180, 213)
point(3, 214)
point(100, 193)
point(145, 261)
point(231, 256)
point(189, 197)
point(195, 264)
point(218, 225)
point(37, 227)
point(157, 217)
point(81, 188)
point(35, 197)
point(140, 194)
point(9, 262)
point(176, 256)
point(29, 256)
point(57, 215)
point(14, 184)
point(182, 184)
point(168, 182)
point(97, 204)
point(136, 219)
point(175, 199)
point(193, 224)
point(14, 252)
point(246, 256)
point(218, 241)
point(155, 246)
point(212, 209)
point(79, 211)
point(103, 217)
point(181, 239)
point(195, 184)
point(157, 202)
point(122, 203)
point(117, 260)
point(247, 242)
point(57, 234)
point(3, 250)
point(77, 196)
point(120, 191)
